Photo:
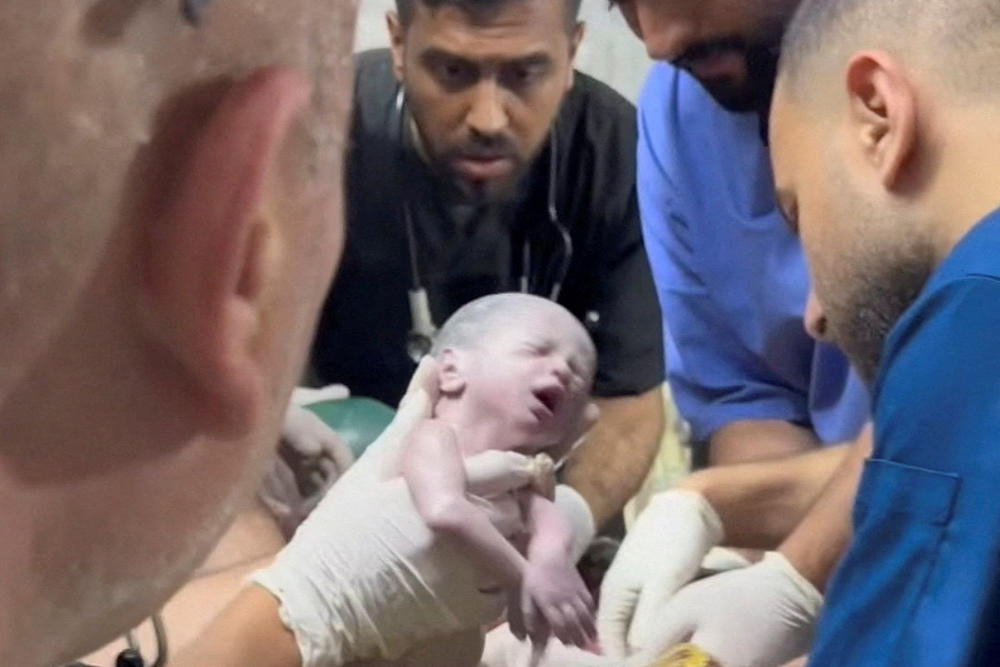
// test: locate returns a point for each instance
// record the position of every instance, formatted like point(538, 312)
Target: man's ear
point(450, 369)
point(209, 258)
point(575, 38)
point(883, 113)
point(397, 43)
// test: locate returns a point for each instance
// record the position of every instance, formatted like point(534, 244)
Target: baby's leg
point(462, 649)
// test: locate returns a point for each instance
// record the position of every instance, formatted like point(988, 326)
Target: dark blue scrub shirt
point(920, 583)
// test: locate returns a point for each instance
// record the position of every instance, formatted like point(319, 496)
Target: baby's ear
point(452, 379)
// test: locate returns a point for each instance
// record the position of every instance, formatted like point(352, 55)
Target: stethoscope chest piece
point(418, 346)
point(420, 338)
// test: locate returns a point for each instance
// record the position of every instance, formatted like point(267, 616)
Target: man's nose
point(487, 116)
point(815, 318)
point(665, 31)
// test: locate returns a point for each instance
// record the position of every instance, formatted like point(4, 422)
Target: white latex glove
point(660, 554)
point(759, 616)
point(305, 434)
point(364, 578)
point(303, 396)
point(311, 457)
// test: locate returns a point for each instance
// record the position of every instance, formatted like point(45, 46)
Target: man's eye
point(523, 76)
point(454, 72)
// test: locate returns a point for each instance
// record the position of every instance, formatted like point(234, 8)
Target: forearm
point(814, 548)
point(611, 464)
point(488, 550)
point(247, 632)
point(550, 533)
point(760, 503)
point(758, 440)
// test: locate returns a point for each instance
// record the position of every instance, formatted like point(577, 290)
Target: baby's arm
point(433, 470)
point(552, 586)
point(551, 534)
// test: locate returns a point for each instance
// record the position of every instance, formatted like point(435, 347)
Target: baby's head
point(519, 360)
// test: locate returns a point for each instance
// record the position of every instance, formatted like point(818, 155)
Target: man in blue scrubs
point(731, 278)
point(733, 287)
point(885, 156)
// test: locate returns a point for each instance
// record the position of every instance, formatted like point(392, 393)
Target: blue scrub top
point(730, 275)
point(920, 583)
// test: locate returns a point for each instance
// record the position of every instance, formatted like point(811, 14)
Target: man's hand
point(660, 554)
point(756, 616)
point(311, 457)
point(313, 450)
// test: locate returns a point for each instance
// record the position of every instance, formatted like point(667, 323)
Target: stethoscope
point(132, 656)
point(420, 339)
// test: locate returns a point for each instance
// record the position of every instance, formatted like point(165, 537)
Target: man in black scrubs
point(480, 162)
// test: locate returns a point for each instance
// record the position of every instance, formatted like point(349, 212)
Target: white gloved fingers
point(576, 510)
point(614, 616)
point(303, 431)
point(760, 615)
point(723, 559)
point(382, 458)
point(494, 472)
point(339, 452)
point(810, 599)
point(424, 382)
point(307, 395)
point(660, 554)
point(674, 625)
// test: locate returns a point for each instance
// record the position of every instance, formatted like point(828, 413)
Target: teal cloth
point(359, 421)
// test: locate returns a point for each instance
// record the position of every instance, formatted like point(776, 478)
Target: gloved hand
point(577, 512)
point(311, 457)
point(660, 554)
point(759, 616)
point(313, 450)
point(364, 578)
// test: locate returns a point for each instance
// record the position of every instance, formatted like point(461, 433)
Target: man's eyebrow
point(532, 60)
point(436, 53)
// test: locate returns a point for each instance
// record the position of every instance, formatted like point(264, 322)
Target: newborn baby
point(515, 376)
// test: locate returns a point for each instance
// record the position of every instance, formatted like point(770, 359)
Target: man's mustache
point(704, 50)
point(490, 148)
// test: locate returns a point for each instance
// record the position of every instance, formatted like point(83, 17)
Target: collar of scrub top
point(420, 338)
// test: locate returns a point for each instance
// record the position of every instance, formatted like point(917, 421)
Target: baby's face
point(535, 375)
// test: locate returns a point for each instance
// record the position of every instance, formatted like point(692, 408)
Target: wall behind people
point(609, 52)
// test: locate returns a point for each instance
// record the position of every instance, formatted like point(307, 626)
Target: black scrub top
point(465, 251)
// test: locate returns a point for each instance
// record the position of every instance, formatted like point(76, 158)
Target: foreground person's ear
point(209, 258)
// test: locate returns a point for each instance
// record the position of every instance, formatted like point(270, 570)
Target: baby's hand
point(555, 600)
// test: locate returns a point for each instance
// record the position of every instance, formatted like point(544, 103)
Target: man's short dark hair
point(962, 37)
point(406, 8)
